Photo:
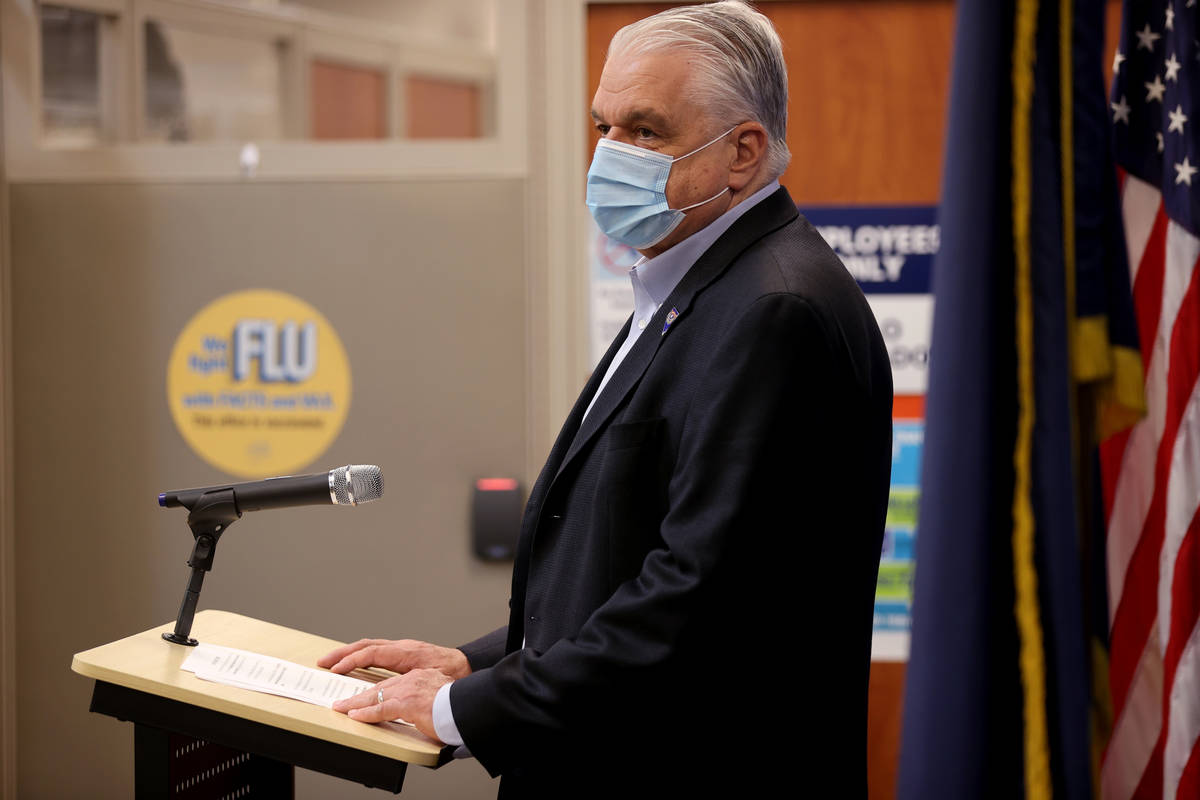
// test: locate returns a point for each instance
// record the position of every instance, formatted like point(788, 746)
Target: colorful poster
point(893, 591)
point(258, 383)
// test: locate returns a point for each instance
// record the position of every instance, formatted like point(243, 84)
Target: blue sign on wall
point(888, 249)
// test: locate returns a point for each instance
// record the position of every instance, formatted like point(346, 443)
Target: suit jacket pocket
point(633, 487)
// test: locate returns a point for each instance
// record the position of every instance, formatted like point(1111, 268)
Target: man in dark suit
point(693, 590)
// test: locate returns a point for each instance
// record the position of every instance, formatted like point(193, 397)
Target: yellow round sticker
point(258, 383)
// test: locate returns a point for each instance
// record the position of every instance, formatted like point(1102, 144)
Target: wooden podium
point(198, 739)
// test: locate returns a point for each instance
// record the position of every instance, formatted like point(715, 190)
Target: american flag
point(1151, 473)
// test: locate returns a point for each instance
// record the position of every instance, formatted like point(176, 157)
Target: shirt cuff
point(443, 722)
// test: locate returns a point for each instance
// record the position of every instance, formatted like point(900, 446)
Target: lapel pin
point(672, 315)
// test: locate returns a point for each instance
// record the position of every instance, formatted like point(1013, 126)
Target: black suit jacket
point(698, 557)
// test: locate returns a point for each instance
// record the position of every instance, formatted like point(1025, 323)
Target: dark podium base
point(183, 767)
point(184, 751)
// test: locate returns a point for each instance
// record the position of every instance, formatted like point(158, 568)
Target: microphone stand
point(209, 517)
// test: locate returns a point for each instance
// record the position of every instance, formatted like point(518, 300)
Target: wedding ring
point(379, 697)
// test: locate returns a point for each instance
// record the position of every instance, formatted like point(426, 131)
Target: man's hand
point(409, 697)
point(403, 655)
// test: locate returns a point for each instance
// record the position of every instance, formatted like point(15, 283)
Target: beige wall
point(424, 282)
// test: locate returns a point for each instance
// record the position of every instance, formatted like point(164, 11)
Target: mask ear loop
point(701, 147)
point(702, 202)
point(697, 150)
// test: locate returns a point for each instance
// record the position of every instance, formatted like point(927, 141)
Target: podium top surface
point(147, 663)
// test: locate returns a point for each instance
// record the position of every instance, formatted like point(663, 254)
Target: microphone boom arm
point(210, 515)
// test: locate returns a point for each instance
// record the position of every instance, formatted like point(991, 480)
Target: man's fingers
point(398, 656)
point(365, 706)
point(365, 657)
point(384, 654)
point(334, 656)
point(389, 710)
point(363, 699)
point(407, 697)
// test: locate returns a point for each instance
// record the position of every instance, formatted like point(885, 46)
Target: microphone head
point(355, 483)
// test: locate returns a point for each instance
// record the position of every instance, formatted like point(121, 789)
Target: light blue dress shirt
point(653, 281)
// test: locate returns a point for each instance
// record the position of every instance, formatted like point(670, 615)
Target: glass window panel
point(203, 86)
point(72, 102)
point(439, 108)
point(348, 102)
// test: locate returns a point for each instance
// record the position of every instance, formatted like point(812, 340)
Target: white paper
point(261, 673)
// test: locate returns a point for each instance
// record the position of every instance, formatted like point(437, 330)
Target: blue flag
point(1031, 301)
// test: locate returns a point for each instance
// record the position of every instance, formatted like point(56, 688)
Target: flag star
point(1173, 66)
point(1146, 38)
point(1184, 172)
point(1120, 111)
point(1177, 119)
point(1117, 59)
point(1154, 90)
point(1159, 138)
point(1170, 18)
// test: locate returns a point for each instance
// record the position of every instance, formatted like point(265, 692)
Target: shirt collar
point(661, 274)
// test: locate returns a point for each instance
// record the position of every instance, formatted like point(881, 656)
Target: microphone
point(344, 486)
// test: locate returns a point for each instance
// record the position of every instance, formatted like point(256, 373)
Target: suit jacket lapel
point(537, 494)
point(771, 214)
point(570, 427)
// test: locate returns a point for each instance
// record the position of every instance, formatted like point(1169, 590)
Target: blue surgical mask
point(627, 193)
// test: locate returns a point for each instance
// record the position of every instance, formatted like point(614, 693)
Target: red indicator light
point(496, 484)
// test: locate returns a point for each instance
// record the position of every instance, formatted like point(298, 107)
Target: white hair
point(740, 73)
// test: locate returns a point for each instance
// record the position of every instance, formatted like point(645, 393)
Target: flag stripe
point(1181, 709)
point(1131, 500)
point(1151, 785)
point(1178, 598)
point(1141, 204)
point(1148, 285)
point(1135, 730)
point(1189, 779)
